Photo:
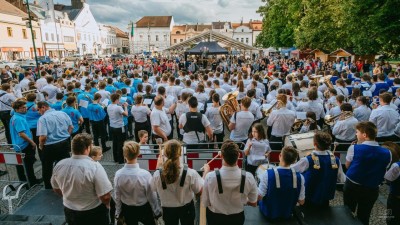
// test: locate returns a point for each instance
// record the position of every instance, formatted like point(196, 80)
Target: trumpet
point(299, 123)
point(25, 93)
point(267, 112)
point(330, 120)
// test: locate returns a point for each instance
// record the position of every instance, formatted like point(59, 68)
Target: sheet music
point(128, 90)
point(106, 102)
point(147, 101)
point(302, 95)
point(83, 103)
point(367, 93)
point(257, 151)
point(124, 99)
point(266, 106)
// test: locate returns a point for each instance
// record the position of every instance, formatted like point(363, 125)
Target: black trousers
point(171, 135)
point(360, 197)
point(98, 216)
point(5, 118)
point(130, 126)
point(118, 138)
point(184, 214)
point(393, 213)
point(85, 125)
point(99, 131)
point(251, 169)
point(142, 126)
point(52, 154)
point(135, 214)
point(29, 160)
point(341, 146)
point(393, 138)
point(218, 138)
point(218, 219)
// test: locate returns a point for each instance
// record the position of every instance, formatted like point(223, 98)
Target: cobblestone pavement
point(377, 217)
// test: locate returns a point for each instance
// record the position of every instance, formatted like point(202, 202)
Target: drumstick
point(219, 153)
point(335, 146)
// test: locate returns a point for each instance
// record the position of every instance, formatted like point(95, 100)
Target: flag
point(132, 32)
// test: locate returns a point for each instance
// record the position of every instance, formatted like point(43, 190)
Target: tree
point(322, 26)
point(280, 18)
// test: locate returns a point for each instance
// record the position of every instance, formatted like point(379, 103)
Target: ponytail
point(170, 172)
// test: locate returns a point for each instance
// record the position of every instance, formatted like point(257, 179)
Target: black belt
point(65, 140)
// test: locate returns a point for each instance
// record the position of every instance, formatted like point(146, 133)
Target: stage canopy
point(212, 49)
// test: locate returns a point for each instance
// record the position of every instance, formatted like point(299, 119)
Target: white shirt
point(281, 121)
point(201, 97)
point(215, 119)
point(82, 181)
point(190, 137)
point(186, 90)
point(6, 100)
point(243, 122)
point(114, 112)
point(140, 113)
point(302, 165)
point(385, 118)
point(175, 195)
point(40, 83)
point(393, 173)
point(288, 85)
point(345, 130)
point(342, 91)
point(104, 95)
point(159, 118)
point(255, 109)
point(52, 91)
point(132, 187)
point(257, 151)
point(231, 201)
point(263, 186)
point(25, 84)
point(362, 113)
point(335, 111)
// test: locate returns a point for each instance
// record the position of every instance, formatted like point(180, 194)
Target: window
point(175, 41)
point(24, 34)
point(165, 37)
point(9, 31)
point(78, 36)
point(52, 37)
point(242, 30)
point(141, 36)
point(34, 34)
point(156, 37)
point(241, 39)
point(247, 40)
point(237, 39)
point(47, 36)
point(178, 32)
point(181, 40)
point(68, 39)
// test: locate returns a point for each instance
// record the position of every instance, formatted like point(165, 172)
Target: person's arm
point(231, 126)
point(42, 141)
point(302, 195)
point(58, 191)
point(349, 156)
point(27, 139)
point(105, 199)
point(80, 120)
point(117, 196)
point(70, 129)
point(253, 193)
point(209, 132)
point(125, 112)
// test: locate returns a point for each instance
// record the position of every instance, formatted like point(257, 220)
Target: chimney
point(77, 4)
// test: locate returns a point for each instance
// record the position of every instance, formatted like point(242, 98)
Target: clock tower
point(77, 4)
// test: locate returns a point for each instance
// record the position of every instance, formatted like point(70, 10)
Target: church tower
point(77, 4)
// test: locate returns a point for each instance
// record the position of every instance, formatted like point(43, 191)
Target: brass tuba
point(230, 106)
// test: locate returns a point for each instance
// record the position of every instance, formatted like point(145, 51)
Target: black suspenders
point(183, 177)
point(219, 182)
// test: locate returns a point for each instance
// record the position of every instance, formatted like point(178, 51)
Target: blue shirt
point(93, 91)
point(54, 124)
point(77, 91)
point(75, 115)
point(57, 106)
point(96, 112)
point(111, 89)
point(32, 115)
point(86, 97)
point(18, 124)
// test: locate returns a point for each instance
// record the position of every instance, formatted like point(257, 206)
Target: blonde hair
point(95, 151)
point(131, 150)
point(170, 172)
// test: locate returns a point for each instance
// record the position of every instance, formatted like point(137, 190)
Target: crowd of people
point(57, 110)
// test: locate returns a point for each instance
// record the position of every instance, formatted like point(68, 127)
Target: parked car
point(90, 56)
point(44, 59)
point(25, 62)
point(73, 57)
point(3, 64)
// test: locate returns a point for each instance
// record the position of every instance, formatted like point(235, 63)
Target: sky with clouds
point(120, 12)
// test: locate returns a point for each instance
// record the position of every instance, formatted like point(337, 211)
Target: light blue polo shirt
point(54, 124)
point(19, 124)
point(75, 115)
point(32, 114)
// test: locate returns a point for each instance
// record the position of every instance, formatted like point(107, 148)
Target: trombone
point(330, 120)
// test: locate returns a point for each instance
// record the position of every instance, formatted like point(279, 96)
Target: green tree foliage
point(281, 17)
point(367, 26)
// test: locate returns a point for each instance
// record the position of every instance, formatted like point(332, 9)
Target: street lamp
point(33, 38)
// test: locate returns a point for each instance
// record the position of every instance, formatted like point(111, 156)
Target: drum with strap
point(302, 142)
point(261, 171)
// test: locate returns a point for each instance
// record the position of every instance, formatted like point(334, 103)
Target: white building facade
point(108, 39)
point(152, 34)
point(244, 34)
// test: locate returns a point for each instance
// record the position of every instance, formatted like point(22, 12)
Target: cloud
point(223, 3)
point(121, 12)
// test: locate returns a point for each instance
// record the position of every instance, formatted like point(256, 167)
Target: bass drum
point(261, 171)
point(302, 142)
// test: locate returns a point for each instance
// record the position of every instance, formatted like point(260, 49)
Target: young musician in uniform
point(134, 199)
point(281, 121)
point(281, 188)
point(256, 149)
point(140, 113)
point(241, 122)
point(321, 170)
point(344, 128)
point(97, 116)
point(362, 112)
point(367, 163)
point(176, 185)
point(85, 96)
point(386, 118)
point(215, 119)
point(74, 114)
point(228, 189)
